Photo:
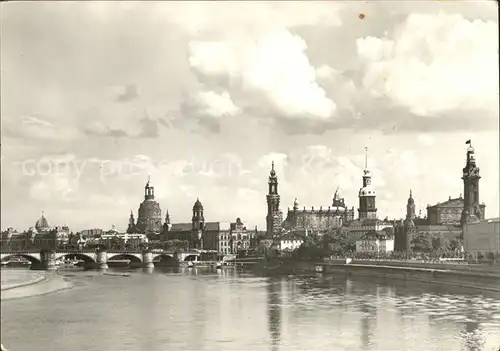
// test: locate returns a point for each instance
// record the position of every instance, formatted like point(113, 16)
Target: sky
point(203, 96)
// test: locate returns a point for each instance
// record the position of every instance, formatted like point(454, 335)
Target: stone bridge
point(47, 259)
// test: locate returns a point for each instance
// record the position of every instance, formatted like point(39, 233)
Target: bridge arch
point(124, 256)
point(30, 258)
point(164, 258)
point(78, 256)
point(191, 257)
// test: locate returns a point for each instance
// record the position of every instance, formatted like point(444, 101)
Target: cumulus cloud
point(274, 65)
point(434, 63)
point(217, 105)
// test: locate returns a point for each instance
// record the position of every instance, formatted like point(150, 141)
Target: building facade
point(482, 237)
point(198, 234)
point(149, 219)
point(375, 243)
point(274, 218)
point(319, 220)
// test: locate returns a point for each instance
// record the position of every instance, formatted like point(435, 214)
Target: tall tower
point(470, 175)
point(131, 224)
point(149, 216)
point(198, 220)
point(198, 223)
point(274, 216)
point(149, 190)
point(367, 208)
point(410, 207)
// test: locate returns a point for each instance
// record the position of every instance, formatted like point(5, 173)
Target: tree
point(421, 242)
point(336, 241)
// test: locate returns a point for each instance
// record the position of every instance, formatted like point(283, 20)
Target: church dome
point(42, 224)
point(198, 205)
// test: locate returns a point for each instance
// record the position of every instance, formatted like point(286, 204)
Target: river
point(205, 309)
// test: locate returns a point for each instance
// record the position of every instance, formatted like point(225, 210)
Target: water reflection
point(207, 310)
point(274, 301)
point(471, 336)
point(368, 318)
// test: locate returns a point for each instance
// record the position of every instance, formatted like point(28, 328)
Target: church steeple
point(274, 216)
point(131, 224)
point(149, 190)
point(167, 218)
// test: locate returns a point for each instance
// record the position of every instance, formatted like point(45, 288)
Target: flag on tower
point(468, 141)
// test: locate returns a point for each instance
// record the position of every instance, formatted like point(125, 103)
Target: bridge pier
point(102, 259)
point(48, 259)
point(147, 259)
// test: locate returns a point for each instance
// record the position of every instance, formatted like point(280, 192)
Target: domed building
point(149, 217)
point(42, 225)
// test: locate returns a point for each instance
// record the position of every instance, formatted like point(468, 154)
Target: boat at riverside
point(70, 264)
point(16, 262)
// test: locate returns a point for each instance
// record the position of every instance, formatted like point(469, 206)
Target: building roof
point(212, 226)
point(187, 227)
point(181, 227)
point(439, 228)
point(457, 202)
point(368, 222)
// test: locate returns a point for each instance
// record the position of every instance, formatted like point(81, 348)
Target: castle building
point(274, 218)
point(321, 220)
point(149, 217)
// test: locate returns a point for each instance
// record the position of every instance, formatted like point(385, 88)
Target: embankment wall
point(485, 278)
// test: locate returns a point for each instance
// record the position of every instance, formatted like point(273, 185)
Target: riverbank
point(24, 284)
point(477, 278)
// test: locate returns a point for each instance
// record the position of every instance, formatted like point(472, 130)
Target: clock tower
point(367, 208)
point(470, 175)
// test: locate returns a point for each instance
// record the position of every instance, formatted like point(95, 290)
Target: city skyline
point(204, 109)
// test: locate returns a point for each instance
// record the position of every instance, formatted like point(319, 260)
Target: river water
point(205, 309)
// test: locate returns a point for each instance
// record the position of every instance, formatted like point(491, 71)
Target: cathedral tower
point(470, 175)
point(367, 208)
point(274, 216)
